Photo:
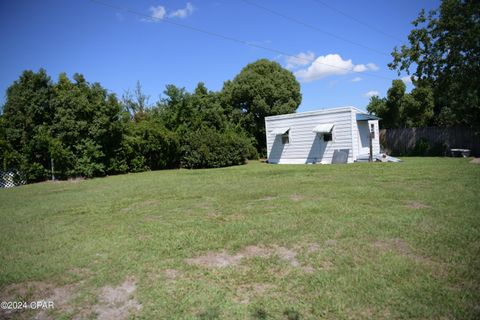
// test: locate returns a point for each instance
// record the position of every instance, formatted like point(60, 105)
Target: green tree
point(378, 107)
point(389, 108)
point(442, 54)
point(395, 97)
point(136, 103)
point(76, 125)
point(400, 109)
point(417, 108)
point(261, 89)
point(207, 135)
point(88, 125)
point(27, 114)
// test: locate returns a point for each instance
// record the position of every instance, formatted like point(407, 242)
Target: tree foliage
point(27, 114)
point(76, 125)
point(82, 130)
point(442, 54)
point(207, 135)
point(400, 109)
point(136, 103)
point(261, 89)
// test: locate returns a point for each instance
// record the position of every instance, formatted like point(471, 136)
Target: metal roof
point(316, 112)
point(323, 128)
point(280, 131)
point(366, 117)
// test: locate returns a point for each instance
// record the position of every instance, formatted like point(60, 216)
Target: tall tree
point(389, 108)
point(135, 103)
point(261, 89)
point(378, 107)
point(394, 100)
point(443, 52)
point(88, 124)
point(27, 114)
point(417, 108)
point(400, 109)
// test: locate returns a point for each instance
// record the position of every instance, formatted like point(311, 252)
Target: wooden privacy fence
point(429, 141)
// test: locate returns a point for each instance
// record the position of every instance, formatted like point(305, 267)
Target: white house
point(314, 137)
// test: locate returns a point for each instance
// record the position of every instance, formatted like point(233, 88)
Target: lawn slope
point(256, 241)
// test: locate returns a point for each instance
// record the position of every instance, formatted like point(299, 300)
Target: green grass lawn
point(358, 241)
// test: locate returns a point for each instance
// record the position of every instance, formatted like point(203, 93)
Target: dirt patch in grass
point(171, 274)
point(245, 293)
point(114, 302)
point(368, 313)
point(475, 161)
point(117, 303)
point(394, 245)
point(297, 197)
point(267, 198)
point(331, 242)
point(36, 291)
point(224, 259)
point(313, 247)
point(215, 259)
point(287, 255)
point(152, 218)
point(401, 247)
point(416, 205)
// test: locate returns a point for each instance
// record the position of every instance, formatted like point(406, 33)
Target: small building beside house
point(323, 136)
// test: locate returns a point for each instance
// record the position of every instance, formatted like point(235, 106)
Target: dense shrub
point(75, 128)
point(152, 145)
point(208, 148)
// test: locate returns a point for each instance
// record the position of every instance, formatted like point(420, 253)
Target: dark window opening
point(285, 138)
point(372, 130)
point(327, 136)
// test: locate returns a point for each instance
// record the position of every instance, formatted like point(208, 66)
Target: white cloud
point(371, 93)
point(301, 59)
point(330, 65)
point(365, 67)
point(360, 68)
point(408, 79)
point(183, 13)
point(158, 12)
point(372, 66)
point(356, 79)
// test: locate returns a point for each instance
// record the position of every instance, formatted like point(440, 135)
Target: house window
point(327, 136)
point(285, 138)
point(372, 130)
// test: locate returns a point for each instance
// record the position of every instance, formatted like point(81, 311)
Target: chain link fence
point(11, 178)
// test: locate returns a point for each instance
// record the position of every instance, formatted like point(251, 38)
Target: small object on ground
point(460, 152)
point(383, 157)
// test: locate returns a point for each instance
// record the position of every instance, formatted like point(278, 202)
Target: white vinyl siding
point(305, 145)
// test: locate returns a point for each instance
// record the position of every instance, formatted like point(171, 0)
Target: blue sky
point(341, 60)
